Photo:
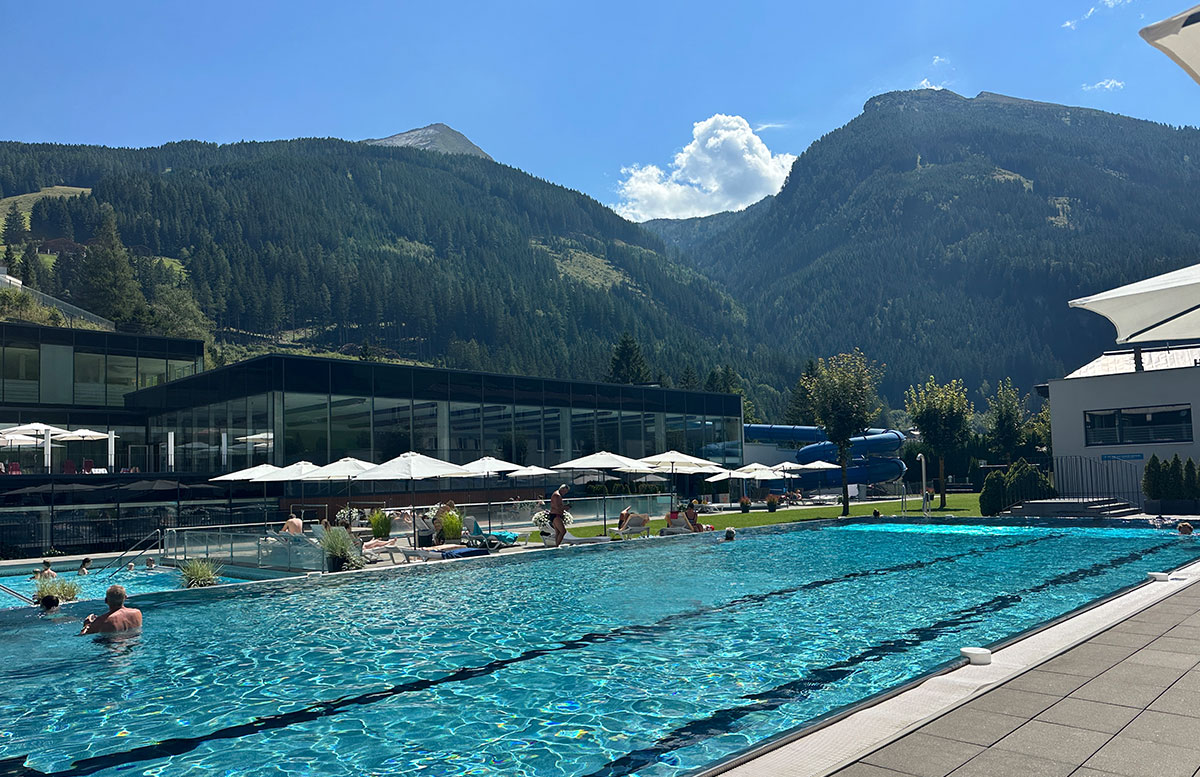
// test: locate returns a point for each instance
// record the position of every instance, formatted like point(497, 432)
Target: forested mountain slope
point(945, 235)
point(449, 258)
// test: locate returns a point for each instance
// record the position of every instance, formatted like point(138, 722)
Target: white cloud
point(769, 125)
point(1109, 4)
point(937, 60)
point(925, 83)
point(725, 167)
point(1107, 85)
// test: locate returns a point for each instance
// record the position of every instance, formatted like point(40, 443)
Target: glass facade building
point(281, 409)
point(76, 378)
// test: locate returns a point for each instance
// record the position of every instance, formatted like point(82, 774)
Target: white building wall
point(1070, 398)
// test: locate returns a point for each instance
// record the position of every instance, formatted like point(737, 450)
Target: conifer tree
point(627, 364)
point(688, 379)
point(31, 266)
point(14, 226)
point(105, 284)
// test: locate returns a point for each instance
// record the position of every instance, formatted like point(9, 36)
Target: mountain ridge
point(433, 137)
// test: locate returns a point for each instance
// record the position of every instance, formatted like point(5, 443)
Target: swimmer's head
point(49, 602)
point(730, 534)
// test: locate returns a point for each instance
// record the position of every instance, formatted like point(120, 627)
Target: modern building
point(280, 409)
point(1123, 407)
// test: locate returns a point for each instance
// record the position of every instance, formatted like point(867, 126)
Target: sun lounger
point(478, 538)
point(571, 539)
point(638, 523)
point(677, 525)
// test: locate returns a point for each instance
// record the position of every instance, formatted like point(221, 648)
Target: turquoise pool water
point(647, 657)
point(93, 586)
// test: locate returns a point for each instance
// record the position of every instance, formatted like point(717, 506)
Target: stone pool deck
point(1112, 691)
point(1125, 702)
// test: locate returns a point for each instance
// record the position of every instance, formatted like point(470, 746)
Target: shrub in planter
point(381, 524)
point(199, 573)
point(744, 502)
point(991, 496)
point(772, 503)
point(65, 590)
point(341, 551)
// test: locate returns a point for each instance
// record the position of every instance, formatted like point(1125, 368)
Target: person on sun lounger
point(292, 525)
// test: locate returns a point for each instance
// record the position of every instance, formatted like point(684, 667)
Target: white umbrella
point(675, 457)
point(81, 434)
point(249, 473)
point(285, 474)
point(1160, 308)
point(601, 460)
point(1178, 38)
point(34, 428)
point(20, 440)
point(342, 469)
point(650, 479)
point(531, 472)
point(729, 475)
point(486, 467)
point(414, 466)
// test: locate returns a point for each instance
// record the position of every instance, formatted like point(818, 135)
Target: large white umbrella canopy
point(812, 466)
point(601, 460)
point(414, 466)
point(291, 472)
point(729, 475)
point(531, 472)
point(1165, 307)
point(260, 437)
point(33, 428)
point(250, 473)
point(1178, 38)
point(81, 434)
point(674, 457)
point(341, 469)
point(490, 465)
point(650, 479)
point(20, 440)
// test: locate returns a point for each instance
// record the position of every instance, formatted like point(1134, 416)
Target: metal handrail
point(156, 534)
point(17, 594)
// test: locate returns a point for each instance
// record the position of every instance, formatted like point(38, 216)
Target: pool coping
point(836, 740)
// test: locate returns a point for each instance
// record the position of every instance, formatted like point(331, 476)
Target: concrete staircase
point(1074, 507)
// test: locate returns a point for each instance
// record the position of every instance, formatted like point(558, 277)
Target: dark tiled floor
point(1126, 702)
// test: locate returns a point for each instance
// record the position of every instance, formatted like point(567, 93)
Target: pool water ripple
point(652, 657)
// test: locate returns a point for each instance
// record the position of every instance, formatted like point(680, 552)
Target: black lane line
point(14, 767)
point(723, 721)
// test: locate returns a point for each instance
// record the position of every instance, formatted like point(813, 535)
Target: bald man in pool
point(118, 618)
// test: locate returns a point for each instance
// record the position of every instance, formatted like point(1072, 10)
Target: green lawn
point(956, 504)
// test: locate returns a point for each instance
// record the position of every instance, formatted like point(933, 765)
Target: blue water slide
point(870, 461)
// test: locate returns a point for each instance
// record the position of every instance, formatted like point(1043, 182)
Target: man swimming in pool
point(45, 573)
point(118, 618)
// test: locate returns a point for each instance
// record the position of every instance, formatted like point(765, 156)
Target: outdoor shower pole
point(924, 493)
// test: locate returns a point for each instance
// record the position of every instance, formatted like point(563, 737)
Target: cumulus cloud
point(1107, 85)
point(938, 60)
point(725, 167)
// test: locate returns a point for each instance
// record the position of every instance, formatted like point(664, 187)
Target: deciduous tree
point(942, 413)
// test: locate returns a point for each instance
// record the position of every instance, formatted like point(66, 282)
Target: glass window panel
point(556, 428)
point(498, 437)
point(676, 439)
point(632, 436)
point(583, 432)
point(305, 427)
point(350, 427)
point(694, 432)
point(89, 379)
point(527, 446)
point(180, 368)
point(608, 433)
point(238, 455)
point(121, 378)
point(21, 373)
point(465, 431)
point(151, 371)
point(393, 428)
point(431, 433)
point(259, 435)
point(1131, 426)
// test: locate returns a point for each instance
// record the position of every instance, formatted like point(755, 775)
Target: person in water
point(150, 562)
point(45, 573)
point(84, 567)
point(1185, 528)
point(730, 534)
point(49, 603)
point(558, 509)
point(118, 618)
point(130, 566)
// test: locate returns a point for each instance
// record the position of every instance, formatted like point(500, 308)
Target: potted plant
point(381, 525)
point(772, 503)
point(199, 573)
point(744, 502)
point(65, 590)
point(339, 548)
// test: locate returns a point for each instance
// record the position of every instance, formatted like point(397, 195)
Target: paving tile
point(923, 755)
point(1057, 743)
point(1123, 639)
point(1184, 632)
point(1163, 658)
point(1092, 715)
point(1176, 645)
point(1144, 674)
point(1134, 627)
point(1190, 681)
point(1165, 728)
point(1053, 683)
point(1006, 763)
point(1022, 704)
point(1180, 701)
point(979, 727)
point(1118, 691)
point(1084, 771)
point(1088, 659)
point(1139, 758)
point(867, 770)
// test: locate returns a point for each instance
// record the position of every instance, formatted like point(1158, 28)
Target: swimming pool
point(93, 586)
point(647, 657)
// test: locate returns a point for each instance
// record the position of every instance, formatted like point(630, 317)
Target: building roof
point(1120, 362)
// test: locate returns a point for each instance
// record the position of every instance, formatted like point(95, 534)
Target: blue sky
point(600, 97)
